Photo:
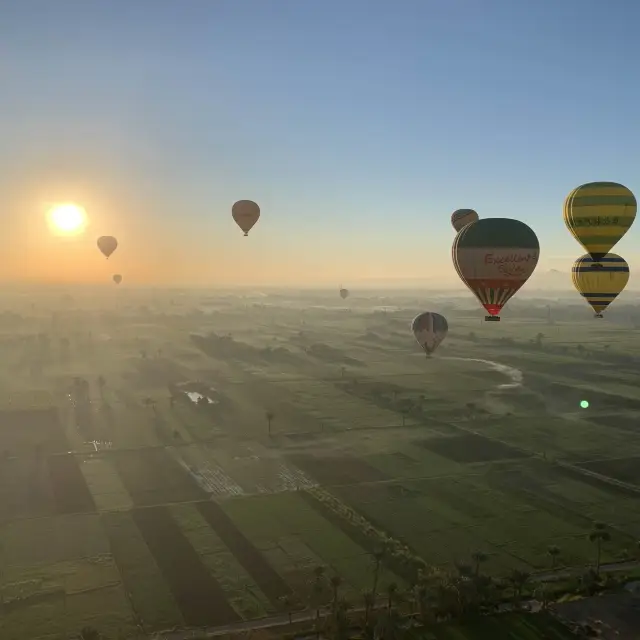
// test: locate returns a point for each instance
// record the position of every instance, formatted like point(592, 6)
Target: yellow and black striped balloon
point(599, 283)
point(598, 214)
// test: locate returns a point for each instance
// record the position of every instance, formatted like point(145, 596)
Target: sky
point(358, 126)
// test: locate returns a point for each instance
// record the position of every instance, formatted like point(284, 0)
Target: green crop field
point(128, 504)
point(513, 627)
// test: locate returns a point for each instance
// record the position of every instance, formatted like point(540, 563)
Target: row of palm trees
point(429, 598)
point(448, 594)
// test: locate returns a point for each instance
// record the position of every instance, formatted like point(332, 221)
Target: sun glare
point(67, 219)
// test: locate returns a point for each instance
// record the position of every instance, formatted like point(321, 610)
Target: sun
point(67, 219)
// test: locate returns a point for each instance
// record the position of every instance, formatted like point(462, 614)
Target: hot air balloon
point(601, 285)
point(117, 278)
point(344, 293)
point(107, 244)
point(494, 257)
point(430, 329)
point(598, 214)
point(462, 217)
point(246, 214)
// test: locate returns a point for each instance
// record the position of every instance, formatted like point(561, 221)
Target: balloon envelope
point(344, 293)
point(462, 217)
point(246, 214)
point(430, 329)
point(599, 283)
point(494, 257)
point(598, 214)
point(107, 244)
point(117, 278)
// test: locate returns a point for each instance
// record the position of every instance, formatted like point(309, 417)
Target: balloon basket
point(598, 315)
point(246, 233)
point(492, 318)
point(596, 265)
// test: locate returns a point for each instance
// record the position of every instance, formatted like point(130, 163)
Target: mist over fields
point(188, 458)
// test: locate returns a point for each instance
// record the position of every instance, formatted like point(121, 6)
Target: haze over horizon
point(358, 127)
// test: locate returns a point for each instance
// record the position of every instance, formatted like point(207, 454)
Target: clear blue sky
point(358, 125)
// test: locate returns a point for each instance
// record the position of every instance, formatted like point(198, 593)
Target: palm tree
point(421, 593)
point(150, 403)
point(391, 623)
point(341, 620)
point(449, 599)
point(269, 415)
point(518, 580)
point(378, 557)
point(553, 553)
point(543, 595)
point(486, 591)
point(392, 590)
point(287, 604)
point(598, 535)
point(369, 603)
point(318, 589)
point(478, 558)
point(464, 570)
point(102, 383)
point(406, 408)
point(336, 581)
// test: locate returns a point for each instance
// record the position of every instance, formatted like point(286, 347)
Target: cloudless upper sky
point(357, 125)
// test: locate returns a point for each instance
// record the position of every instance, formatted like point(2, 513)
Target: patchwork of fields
point(202, 519)
point(140, 528)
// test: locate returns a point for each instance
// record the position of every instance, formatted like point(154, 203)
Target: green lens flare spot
point(584, 404)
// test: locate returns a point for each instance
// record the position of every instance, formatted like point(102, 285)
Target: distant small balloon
point(462, 217)
point(107, 245)
point(246, 214)
point(117, 278)
point(344, 293)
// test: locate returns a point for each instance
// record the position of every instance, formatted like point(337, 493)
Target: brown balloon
point(246, 214)
point(107, 245)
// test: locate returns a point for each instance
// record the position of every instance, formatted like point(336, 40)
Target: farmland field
point(193, 465)
point(512, 627)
